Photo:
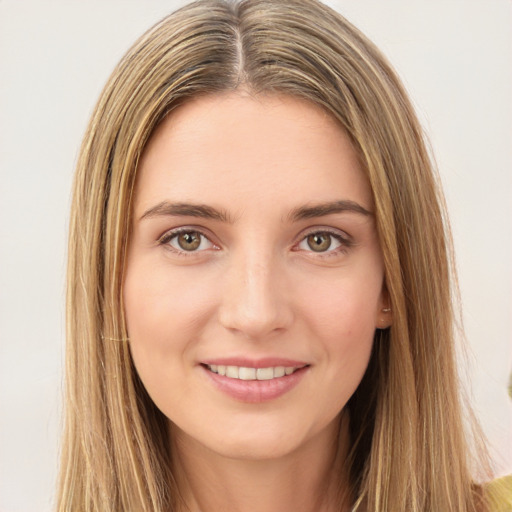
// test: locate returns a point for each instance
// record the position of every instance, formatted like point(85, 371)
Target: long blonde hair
point(410, 450)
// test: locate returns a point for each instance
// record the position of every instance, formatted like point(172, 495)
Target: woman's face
point(254, 281)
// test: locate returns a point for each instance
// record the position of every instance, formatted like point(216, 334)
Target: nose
point(255, 300)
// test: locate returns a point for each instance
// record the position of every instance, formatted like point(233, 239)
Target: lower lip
point(256, 391)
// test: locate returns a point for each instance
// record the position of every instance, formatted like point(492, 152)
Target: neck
point(311, 479)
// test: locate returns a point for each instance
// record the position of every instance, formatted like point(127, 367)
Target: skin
point(253, 288)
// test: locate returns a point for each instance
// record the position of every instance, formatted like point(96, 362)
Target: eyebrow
point(186, 210)
point(321, 209)
point(208, 212)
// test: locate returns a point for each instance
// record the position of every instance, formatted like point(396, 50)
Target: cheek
point(341, 316)
point(164, 306)
point(345, 308)
point(163, 321)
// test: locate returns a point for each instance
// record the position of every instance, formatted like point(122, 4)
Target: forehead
point(238, 149)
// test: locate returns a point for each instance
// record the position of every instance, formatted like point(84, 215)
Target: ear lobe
point(384, 318)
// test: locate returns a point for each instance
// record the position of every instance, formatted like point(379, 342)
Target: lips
point(255, 381)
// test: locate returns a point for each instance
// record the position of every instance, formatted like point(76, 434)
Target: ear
point(384, 313)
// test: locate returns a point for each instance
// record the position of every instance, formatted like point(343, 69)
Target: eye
point(323, 242)
point(186, 240)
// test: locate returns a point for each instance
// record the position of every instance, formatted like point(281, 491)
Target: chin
point(256, 448)
point(258, 440)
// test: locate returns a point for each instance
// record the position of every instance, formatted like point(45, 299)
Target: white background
point(455, 58)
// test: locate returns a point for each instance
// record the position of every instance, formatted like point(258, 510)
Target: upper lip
point(264, 362)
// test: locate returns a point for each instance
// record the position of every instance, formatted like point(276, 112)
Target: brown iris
point(189, 241)
point(319, 242)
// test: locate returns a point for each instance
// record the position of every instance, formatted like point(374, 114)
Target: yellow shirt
point(499, 493)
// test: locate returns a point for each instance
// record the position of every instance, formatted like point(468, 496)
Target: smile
point(248, 373)
point(255, 385)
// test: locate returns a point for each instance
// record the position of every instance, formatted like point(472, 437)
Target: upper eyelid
point(338, 233)
point(170, 233)
point(324, 229)
point(345, 241)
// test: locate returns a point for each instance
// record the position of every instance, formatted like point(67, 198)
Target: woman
point(260, 312)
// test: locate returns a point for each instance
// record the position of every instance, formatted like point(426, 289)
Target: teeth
point(265, 373)
point(244, 373)
point(232, 372)
point(279, 371)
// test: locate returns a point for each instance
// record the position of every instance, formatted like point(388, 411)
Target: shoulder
point(499, 494)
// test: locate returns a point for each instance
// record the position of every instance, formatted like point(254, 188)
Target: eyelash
point(344, 241)
point(166, 238)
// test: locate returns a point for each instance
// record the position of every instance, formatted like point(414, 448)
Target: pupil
point(319, 242)
point(189, 241)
